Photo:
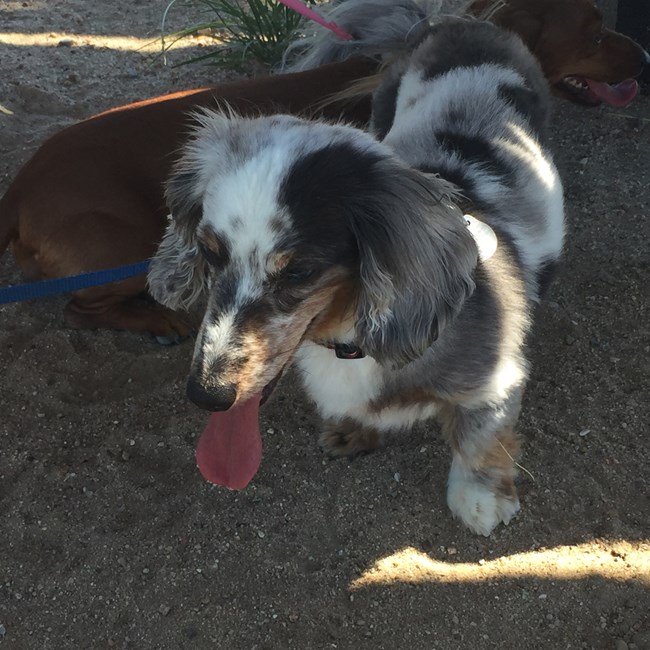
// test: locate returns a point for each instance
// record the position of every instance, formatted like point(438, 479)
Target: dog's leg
point(481, 490)
point(347, 438)
point(97, 240)
point(93, 309)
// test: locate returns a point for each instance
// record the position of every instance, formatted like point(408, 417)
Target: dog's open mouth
point(596, 92)
point(229, 451)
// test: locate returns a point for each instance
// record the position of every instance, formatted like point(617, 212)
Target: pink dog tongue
point(229, 451)
point(618, 95)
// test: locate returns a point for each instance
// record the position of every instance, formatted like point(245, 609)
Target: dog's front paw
point(341, 440)
point(478, 502)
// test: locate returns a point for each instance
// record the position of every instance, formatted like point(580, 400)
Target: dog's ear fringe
point(178, 275)
point(417, 260)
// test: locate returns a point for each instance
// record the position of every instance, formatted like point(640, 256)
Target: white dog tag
point(486, 240)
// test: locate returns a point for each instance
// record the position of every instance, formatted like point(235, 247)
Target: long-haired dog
point(399, 276)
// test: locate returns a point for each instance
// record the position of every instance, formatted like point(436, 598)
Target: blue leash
point(71, 283)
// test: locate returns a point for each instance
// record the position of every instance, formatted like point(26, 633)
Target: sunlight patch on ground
point(620, 561)
point(112, 42)
point(17, 5)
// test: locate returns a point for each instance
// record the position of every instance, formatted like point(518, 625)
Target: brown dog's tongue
point(618, 95)
point(229, 451)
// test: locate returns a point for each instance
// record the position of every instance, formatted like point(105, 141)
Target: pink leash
point(304, 10)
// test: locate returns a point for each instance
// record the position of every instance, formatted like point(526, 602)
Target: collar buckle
point(346, 351)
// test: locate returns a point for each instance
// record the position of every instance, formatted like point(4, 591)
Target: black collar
point(345, 350)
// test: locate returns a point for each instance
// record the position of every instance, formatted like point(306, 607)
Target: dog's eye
point(210, 256)
point(298, 274)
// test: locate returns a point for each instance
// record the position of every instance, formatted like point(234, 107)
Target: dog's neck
point(486, 242)
point(345, 350)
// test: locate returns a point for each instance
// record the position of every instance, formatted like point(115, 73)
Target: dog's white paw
point(480, 508)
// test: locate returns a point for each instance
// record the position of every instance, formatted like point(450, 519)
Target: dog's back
point(471, 104)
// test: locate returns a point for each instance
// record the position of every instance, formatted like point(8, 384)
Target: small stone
point(260, 534)
point(164, 610)
point(584, 432)
point(620, 645)
point(452, 550)
point(3, 631)
point(65, 42)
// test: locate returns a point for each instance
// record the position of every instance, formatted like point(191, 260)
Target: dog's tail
point(378, 29)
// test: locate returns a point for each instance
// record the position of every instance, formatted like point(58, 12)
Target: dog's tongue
point(229, 451)
point(620, 94)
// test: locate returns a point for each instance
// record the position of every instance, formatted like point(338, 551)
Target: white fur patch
point(344, 388)
point(242, 208)
point(215, 338)
point(340, 387)
point(478, 507)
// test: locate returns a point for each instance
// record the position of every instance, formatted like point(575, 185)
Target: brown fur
point(348, 439)
point(340, 309)
point(560, 33)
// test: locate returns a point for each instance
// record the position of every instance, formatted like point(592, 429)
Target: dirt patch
point(110, 538)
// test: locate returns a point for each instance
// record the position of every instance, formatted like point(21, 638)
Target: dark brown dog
point(92, 196)
point(583, 60)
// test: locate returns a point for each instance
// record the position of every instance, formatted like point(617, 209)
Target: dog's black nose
point(211, 397)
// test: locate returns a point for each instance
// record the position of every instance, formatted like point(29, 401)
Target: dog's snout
point(211, 397)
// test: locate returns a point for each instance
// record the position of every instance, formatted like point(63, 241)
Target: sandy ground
point(110, 538)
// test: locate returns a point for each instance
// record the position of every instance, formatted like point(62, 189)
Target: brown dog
point(92, 196)
point(583, 60)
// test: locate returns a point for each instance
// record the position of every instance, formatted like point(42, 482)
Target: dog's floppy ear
point(417, 259)
point(178, 272)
